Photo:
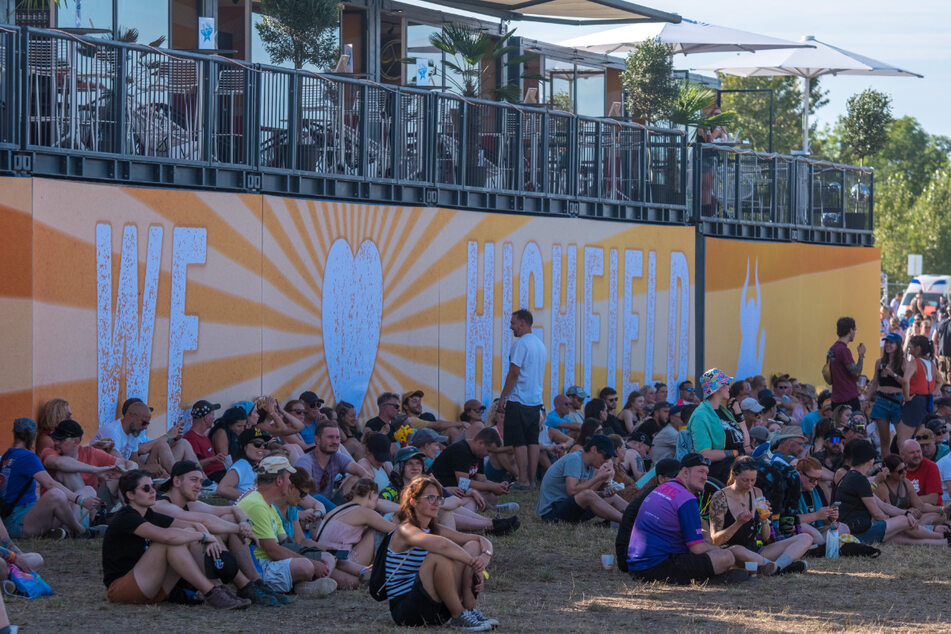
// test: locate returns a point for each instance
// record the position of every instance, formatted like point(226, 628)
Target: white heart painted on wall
point(352, 309)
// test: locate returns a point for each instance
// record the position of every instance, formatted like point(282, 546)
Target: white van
point(932, 286)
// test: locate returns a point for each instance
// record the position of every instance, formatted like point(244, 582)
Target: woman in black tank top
point(886, 386)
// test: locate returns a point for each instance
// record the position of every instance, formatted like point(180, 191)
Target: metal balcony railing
point(104, 110)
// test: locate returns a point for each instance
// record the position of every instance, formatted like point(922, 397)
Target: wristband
point(485, 552)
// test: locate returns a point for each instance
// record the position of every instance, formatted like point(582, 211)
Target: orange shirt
point(88, 455)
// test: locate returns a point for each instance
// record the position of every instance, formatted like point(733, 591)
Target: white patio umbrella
point(808, 63)
point(686, 37)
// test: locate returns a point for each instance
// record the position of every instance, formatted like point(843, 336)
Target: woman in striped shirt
point(434, 574)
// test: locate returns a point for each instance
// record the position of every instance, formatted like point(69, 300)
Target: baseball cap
point(424, 436)
point(310, 398)
point(576, 390)
point(767, 401)
point(410, 395)
point(674, 410)
point(247, 406)
point(129, 402)
point(862, 452)
point(750, 404)
point(67, 429)
point(179, 469)
point(765, 392)
point(639, 436)
point(603, 444)
point(275, 464)
point(668, 467)
point(249, 435)
point(694, 460)
point(408, 453)
point(759, 433)
point(200, 408)
point(379, 447)
point(894, 337)
point(24, 425)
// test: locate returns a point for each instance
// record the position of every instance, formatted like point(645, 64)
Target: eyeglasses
point(147, 488)
point(302, 492)
point(260, 444)
point(432, 499)
point(923, 438)
point(812, 479)
point(298, 411)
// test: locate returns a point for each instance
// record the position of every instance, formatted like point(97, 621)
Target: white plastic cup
point(751, 567)
point(607, 562)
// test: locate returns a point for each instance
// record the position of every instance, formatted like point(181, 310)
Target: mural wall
point(111, 292)
point(772, 307)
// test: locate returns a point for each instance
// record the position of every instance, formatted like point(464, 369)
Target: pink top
point(337, 535)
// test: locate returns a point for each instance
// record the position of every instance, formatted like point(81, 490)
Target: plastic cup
point(607, 562)
point(751, 567)
point(761, 508)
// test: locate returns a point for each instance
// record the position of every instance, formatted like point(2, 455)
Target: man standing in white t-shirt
point(521, 397)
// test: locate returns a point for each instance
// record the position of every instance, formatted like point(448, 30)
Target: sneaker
point(282, 598)
point(257, 595)
point(505, 525)
point(493, 622)
point(96, 531)
point(221, 599)
point(513, 507)
point(320, 588)
point(767, 570)
point(729, 578)
point(365, 575)
point(798, 566)
point(469, 621)
point(56, 534)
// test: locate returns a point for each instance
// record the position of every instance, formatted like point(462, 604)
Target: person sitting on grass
point(59, 512)
point(815, 514)
point(922, 473)
point(178, 498)
point(78, 466)
point(252, 447)
point(131, 442)
point(145, 553)
point(350, 528)
point(282, 569)
point(736, 520)
point(326, 462)
point(894, 488)
point(863, 512)
point(12, 554)
point(664, 471)
point(589, 428)
point(462, 464)
point(434, 574)
point(224, 434)
point(377, 459)
point(667, 539)
point(571, 490)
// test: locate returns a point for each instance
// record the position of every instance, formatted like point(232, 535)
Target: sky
point(915, 36)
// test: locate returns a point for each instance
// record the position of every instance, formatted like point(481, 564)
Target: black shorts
point(521, 424)
point(416, 608)
point(567, 510)
point(680, 569)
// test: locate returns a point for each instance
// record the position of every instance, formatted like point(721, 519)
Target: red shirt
point(926, 478)
point(86, 455)
point(204, 450)
point(844, 383)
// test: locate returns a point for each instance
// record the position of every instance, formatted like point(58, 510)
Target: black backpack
point(780, 485)
point(378, 572)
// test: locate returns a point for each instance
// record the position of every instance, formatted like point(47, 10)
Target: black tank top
point(746, 535)
point(889, 381)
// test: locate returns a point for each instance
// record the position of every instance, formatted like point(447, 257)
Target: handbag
point(29, 584)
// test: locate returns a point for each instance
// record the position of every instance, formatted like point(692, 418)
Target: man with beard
point(130, 441)
point(178, 498)
point(325, 463)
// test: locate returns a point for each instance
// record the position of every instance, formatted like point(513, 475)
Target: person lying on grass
point(282, 569)
point(577, 487)
point(145, 553)
point(178, 498)
point(434, 574)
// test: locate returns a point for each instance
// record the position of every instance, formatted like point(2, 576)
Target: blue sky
point(915, 36)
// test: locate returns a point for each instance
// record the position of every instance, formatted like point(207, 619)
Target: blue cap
point(894, 337)
point(603, 444)
point(247, 406)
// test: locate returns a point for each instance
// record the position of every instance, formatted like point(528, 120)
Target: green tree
point(693, 103)
point(299, 31)
point(649, 82)
point(752, 110)
point(868, 113)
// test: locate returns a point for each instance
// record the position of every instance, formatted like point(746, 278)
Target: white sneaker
point(320, 588)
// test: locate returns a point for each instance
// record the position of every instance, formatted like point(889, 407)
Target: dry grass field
point(548, 579)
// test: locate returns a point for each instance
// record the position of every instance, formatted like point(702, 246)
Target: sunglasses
point(813, 479)
point(260, 444)
point(432, 499)
point(923, 438)
point(478, 409)
point(298, 411)
point(688, 389)
point(148, 488)
point(901, 471)
point(302, 492)
point(835, 440)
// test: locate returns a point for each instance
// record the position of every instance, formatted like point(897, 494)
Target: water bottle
point(832, 541)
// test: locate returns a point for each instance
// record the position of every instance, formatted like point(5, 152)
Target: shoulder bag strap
point(327, 517)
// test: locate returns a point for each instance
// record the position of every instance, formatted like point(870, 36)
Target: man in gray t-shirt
point(571, 490)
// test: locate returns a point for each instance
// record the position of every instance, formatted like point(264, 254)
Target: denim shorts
point(887, 409)
point(14, 521)
point(874, 535)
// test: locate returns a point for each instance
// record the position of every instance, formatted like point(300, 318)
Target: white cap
point(751, 404)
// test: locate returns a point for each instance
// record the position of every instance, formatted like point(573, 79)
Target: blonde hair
point(52, 414)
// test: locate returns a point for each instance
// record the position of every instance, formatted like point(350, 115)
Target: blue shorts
point(567, 510)
point(495, 475)
point(886, 409)
point(874, 535)
point(913, 412)
point(14, 521)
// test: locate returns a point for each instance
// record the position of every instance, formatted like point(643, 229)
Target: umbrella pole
point(805, 115)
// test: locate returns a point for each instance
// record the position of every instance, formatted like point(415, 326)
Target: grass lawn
point(547, 578)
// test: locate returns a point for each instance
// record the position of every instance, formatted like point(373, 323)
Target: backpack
point(684, 444)
point(827, 368)
point(377, 583)
point(780, 485)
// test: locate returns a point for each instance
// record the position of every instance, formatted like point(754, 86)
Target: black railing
point(738, 193)
point(107, 110)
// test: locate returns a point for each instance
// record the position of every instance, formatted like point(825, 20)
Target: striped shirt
point(401, 570)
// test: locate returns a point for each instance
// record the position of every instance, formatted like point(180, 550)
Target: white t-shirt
point(529, 354)
point(246, 476)
point(125, 444)
point(944, 468)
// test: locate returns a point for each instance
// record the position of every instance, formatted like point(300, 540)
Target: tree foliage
point(752, 110)
point(649, 82)
point(868, 113)
point(299, 31)
point(694, 102)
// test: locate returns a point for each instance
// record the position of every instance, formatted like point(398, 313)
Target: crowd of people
point(250, 504)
